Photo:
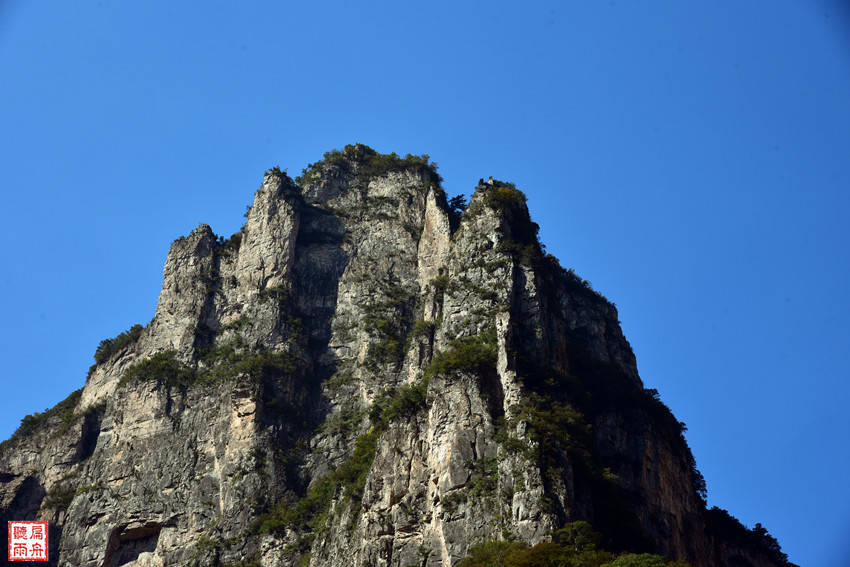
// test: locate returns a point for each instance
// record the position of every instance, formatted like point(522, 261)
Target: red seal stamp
point(27, 541)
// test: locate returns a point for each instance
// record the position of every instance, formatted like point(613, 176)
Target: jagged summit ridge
point(367, 373)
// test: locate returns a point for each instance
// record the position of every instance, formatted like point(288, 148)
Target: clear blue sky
point(691, 159)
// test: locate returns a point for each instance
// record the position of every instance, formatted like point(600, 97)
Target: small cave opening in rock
point(90, 434)
point(126, 545)
point(26, 503)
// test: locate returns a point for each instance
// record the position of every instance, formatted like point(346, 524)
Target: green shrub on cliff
point(644, 560)
point(310, 513)
point(388, 319)
point(217, 363)
point(456, 207)
point(467, 354)
point(366, 163)
point(406, 401)
point(110, 347)
point(34, 422)
point(230, 245)
point(574, 545)
point(163, 367)
point(723, 525)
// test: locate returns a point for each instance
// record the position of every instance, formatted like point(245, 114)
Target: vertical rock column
point(189, 277)
point(267, 251)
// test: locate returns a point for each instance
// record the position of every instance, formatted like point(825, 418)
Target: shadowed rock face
point(349, 382)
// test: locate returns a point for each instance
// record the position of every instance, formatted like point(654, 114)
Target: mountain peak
point(367, 374)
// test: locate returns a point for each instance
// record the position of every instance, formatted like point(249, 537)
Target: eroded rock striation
point(364, 375)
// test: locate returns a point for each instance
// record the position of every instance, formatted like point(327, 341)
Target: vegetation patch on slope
point(61, 496)
point(524, 243)
point(557, 414)
point(108, 348)
point(229, 246)
point(35, 422)
point(389, 320)
point(574, 545)
point(289, 187)
point(366, 163)
point(217, 363)
point(510, 202)
point(310, 513)
point(726, 527)
point(466, 354)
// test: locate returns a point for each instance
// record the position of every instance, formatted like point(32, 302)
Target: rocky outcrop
point(363, 376)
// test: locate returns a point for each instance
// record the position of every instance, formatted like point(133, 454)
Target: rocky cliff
point(364, 375)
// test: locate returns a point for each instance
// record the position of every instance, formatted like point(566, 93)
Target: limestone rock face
point(362, 376)
point(187, 280)
point(267, 250)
